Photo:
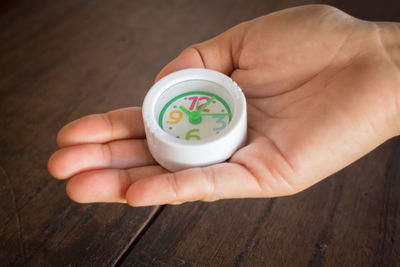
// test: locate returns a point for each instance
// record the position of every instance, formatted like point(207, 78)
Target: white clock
point(194, 117)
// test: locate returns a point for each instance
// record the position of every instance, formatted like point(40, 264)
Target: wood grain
point(60, 60)
point(350, 219)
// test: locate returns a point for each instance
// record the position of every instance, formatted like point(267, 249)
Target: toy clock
point(194, 117)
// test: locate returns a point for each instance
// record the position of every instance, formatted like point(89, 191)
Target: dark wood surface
point(60, 60)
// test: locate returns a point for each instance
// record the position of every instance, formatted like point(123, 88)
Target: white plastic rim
point(177, 154)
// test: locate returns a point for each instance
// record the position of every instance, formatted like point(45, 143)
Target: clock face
point(195, 115)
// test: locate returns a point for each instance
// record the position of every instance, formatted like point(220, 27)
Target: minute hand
point(206, 104)
point(213, 114)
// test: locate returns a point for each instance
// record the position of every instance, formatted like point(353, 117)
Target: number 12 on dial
point(195, 115)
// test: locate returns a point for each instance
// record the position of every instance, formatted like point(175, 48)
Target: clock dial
point(195, 115)
point(190, 113)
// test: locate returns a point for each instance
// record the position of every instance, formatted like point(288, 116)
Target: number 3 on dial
point(220, 121)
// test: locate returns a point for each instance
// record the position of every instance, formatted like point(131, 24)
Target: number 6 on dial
point(190, 134)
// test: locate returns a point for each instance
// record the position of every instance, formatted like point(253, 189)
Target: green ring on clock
point(160, 118)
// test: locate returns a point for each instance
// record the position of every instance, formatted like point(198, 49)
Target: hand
point(322, 90)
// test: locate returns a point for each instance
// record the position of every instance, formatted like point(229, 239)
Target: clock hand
point(185, 110)
point(194, 116)
point(213, 114)
point(206, 104)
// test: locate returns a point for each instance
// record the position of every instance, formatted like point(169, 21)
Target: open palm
point(321, 92)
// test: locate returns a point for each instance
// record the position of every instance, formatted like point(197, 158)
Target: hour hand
point(185, 110)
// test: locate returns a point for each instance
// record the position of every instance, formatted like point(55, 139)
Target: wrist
point(389, 41)
point(390, 38)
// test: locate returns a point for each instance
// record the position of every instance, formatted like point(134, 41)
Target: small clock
point(194, 117)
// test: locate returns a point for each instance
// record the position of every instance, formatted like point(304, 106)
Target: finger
point(69, 161)
point(101, 128)
point(108, 185)
point(227, 180)
point(220, 53)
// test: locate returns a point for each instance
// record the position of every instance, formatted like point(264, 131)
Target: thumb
point(217, 54)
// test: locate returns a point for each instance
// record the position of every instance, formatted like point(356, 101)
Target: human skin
point(322, 90)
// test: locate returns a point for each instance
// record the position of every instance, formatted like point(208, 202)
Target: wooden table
point(61, 60)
